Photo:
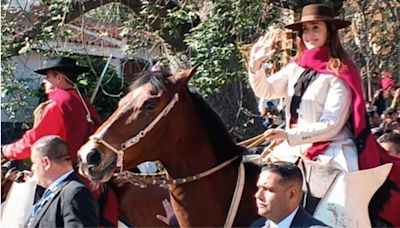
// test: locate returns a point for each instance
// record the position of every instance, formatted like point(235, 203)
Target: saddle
point(318, 176)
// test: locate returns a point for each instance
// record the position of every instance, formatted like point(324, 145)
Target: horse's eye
point(149, 105)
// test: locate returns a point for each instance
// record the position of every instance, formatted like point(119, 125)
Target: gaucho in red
point(63, 115)
point(69, 116)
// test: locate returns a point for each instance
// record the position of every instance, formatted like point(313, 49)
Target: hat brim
point(67, 69)
point(339, 24)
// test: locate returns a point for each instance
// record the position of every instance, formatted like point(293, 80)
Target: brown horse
point(139, 206)
point(160, 119)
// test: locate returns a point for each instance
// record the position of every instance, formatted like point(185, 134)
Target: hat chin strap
point(88, 116)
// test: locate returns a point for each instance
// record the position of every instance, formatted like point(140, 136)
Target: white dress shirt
point(285, 223)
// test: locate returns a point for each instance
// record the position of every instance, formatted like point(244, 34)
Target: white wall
point(24, 5)
point(24, 67)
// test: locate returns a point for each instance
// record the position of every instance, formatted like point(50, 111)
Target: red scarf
point(370, 153)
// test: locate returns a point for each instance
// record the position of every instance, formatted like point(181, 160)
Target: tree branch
point(78, 8)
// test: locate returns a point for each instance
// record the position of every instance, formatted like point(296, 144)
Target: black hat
point(318, 12)
point(63, 64)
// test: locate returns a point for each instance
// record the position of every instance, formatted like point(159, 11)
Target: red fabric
point(65, 117)
point(387, 83)
point(371, 154)
point(77, 128)
point(316, 149)
point(391, 210)
point(110, 212)
point(51, 124)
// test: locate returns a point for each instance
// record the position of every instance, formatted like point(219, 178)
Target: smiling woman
point(314, 34)
point(325, 109)
point(315, 126)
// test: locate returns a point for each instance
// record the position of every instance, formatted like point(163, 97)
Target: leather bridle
point(135, 139)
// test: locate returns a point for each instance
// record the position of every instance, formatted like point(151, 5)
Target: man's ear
point(46, 163)
point(293, 193)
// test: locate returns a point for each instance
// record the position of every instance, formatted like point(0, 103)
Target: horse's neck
point(204, 202)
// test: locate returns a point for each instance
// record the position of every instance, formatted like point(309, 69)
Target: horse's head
point(131, 134)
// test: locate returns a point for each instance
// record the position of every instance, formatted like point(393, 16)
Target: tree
point(206, 33)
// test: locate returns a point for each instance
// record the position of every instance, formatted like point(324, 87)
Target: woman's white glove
point(262, 50)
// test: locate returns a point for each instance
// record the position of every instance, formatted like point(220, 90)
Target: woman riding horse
point(325, 111)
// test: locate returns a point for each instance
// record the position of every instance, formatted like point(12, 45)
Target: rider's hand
point(275, 134)
point(262, 50)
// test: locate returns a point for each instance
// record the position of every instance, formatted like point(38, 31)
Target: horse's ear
point(183, 77)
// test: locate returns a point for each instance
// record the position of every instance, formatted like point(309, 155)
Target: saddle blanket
point(17, 208)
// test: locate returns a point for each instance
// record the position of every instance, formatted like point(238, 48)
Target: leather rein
point(135, 139)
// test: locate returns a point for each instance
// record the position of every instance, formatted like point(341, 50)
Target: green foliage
point(17, 91)
point(111, 13)
point(215, 42)
point(113, 87)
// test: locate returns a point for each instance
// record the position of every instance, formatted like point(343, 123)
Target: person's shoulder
point(60, 95)
point(75, 191)
point(260, 222)
point(73, 182)
point(305, 219)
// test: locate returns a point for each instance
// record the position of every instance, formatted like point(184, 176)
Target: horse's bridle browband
point(135, 139)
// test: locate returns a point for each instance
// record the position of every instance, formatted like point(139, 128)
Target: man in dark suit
point(278, 198)
point(66, 202)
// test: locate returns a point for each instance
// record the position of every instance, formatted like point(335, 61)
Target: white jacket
point(323, 112)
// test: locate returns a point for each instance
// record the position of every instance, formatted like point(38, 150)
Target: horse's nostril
point(93, 158)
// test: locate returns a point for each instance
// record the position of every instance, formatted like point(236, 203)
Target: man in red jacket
point(65, 114)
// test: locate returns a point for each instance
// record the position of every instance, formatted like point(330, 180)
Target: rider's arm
point(273, 86)
point(51, 124)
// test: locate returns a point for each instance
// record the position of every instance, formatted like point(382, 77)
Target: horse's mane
point(157, 79)
point(221, 141)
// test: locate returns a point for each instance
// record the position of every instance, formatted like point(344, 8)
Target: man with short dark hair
point(66, 202)
point(279, 195)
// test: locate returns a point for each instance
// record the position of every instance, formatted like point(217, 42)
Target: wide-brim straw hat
point(63, 64)
point(318, 12)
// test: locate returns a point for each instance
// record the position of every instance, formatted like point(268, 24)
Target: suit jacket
point(301, 219)
point(73, 205)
